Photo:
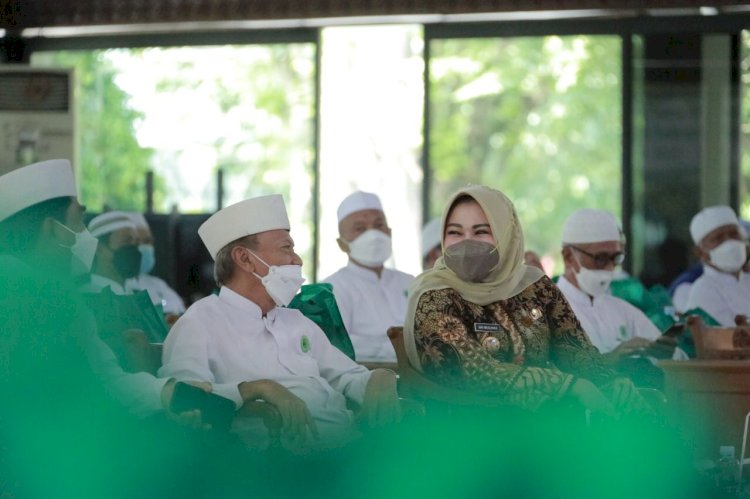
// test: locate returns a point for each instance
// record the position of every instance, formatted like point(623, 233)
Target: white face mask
point(282, 281)
point(372, 248)
point(594, 282)
point(729, 256)
point(82, 252)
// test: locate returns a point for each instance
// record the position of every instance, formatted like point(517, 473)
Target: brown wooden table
point(707, 400)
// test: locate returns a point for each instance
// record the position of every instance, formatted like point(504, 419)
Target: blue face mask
point(148, 258)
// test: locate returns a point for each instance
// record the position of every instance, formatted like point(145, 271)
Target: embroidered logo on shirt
point(305, 344)
point(484, 327)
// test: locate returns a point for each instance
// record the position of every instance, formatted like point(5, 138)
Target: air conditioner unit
point(36, 115)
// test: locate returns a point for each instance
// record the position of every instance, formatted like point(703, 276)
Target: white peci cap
point(589, 225)
point(245, 218)
point(709, 219)
point(138, 220)
point(32, 184)
point(109, 222)
point(358, 201)
point(431, 235)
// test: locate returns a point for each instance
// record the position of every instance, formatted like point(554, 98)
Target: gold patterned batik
point(526, 350)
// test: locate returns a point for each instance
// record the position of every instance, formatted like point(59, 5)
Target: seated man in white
point(250, 347)
point(591, 249)
point(431, 243)
point(723, 290)
point(117, 257)
point(158, 290)
point(370, 297)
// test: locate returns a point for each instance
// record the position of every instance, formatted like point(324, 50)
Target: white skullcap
point(358, 201)
point(138, 220)
point(588, 225)
point(32, 184)
point(709, 219)
point(108, 222)
point(245, 218)
point(431, 236)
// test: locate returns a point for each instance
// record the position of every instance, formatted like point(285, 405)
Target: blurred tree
point(111, 164)
point(745, 128)
point(538, 118)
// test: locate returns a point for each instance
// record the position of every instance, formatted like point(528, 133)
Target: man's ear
point(343, 245)
point(242, 259)
point(569, 260)
point(701, 254)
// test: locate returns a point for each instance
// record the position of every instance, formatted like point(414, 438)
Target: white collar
point(573, 293)
point(235, 299)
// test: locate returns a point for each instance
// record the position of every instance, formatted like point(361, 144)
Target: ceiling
point(19, 14)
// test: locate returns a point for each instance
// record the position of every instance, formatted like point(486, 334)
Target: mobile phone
point(215, 409)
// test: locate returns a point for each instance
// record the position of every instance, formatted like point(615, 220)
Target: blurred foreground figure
point(65, 431)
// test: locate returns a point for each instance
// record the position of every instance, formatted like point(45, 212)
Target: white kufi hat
point(709, 219)
point(32, 184)
point(431, 235)
point(358, 201)
point(245, 218)
point(108, 222)
point(589, 225)
point(138, 220)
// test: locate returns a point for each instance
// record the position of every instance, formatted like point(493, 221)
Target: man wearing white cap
point(591, 249)
point(117, 256)
point(158, 290)
point(370, 297)
point(431, 239)
point(723, 290)
point(41, 227)
point(251, 347)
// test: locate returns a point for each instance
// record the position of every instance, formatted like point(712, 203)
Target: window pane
point(371, 122)
point(184, 113)
point(538, 118)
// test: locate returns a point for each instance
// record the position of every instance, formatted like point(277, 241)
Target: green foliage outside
point(538, 118)
point(745, 128)
point(112, 165)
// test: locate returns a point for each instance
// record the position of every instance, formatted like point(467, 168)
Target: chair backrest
point(715, 342)
point(418, 386)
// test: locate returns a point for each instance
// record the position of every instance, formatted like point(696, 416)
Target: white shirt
point(720, 294)
point(369, 306)
point(606, 319)
point(226, 340)
point(139, 392)
point(159, 291)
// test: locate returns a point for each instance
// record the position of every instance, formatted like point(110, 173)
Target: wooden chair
point(139, 355)
point(718, 342)
point(413, 384)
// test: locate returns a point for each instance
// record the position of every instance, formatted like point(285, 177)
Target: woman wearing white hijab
point(483, 321)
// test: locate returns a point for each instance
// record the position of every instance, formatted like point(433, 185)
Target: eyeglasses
point(603, 259)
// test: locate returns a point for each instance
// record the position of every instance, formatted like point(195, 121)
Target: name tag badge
point(485, 327)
